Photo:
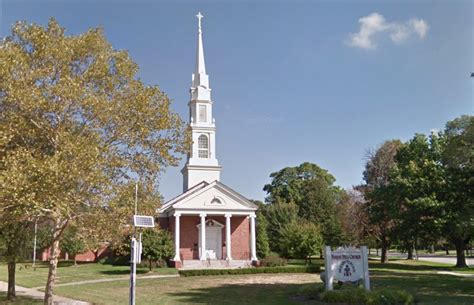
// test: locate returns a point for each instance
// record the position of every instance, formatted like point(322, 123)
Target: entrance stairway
point(215, 264)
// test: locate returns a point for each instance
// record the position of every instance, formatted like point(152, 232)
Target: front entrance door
point(213, 242)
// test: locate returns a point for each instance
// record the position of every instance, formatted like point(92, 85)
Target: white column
point(228, 240)
point(176, 237)
point(253, 240)
point(203, 236)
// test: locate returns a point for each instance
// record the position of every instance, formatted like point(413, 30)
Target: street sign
point(143, 221)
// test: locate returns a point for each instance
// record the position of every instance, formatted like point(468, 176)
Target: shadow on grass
point(264, 294)
point(19, 300)
point(428, 289)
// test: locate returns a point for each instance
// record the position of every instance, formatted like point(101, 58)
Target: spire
point(200, 64)
point(200, 78)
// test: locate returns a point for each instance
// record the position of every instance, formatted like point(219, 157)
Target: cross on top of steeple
point(199, 17)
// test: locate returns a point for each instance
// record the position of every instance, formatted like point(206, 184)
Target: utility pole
point(34, 243)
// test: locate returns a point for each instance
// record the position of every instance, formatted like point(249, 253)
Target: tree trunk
point(75, 260)
point(410, 252)
point(53, 266)
point(149, 264)
point(384, 256)
point(447, 251)
point(460, 256)
point(11, 294)
point(377, 251)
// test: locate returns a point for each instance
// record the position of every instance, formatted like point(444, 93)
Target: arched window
point(203, 147)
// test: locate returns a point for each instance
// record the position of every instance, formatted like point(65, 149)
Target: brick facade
point(189, 235)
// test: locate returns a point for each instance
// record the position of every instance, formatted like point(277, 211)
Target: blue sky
point(290, 84)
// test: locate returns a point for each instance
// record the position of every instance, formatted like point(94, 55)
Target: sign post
point(139, 221)
point(346, 265)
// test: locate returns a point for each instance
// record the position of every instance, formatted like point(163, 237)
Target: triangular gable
point(214, 196)
point(181, 197)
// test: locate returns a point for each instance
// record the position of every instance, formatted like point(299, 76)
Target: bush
point(362, 297)
point(273, 260)
point(291, 269)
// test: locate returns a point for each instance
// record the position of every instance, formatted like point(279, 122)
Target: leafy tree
point(381, 203)
point(312, 190)
point(353, 214)
point(287, 183)
point(157, 245)
point(15, 245)
point(76, 127)
point(278, 216)
point(72, 243)
point(458, 160)
point(415, 182)
point(301, 239)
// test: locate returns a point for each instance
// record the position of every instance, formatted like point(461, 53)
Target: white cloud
point(420, 27)
point(375, 23)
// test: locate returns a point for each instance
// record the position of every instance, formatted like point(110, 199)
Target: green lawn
point(28, 276)
point(418, 278)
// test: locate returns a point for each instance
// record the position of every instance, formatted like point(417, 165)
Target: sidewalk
point(39, 295)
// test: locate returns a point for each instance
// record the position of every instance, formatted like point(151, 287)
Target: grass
point(415, 277)
point(422, 281)
point(28, 276)
point(18, 300)
point(192, 290)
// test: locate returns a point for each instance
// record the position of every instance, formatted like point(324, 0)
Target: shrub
point(273, 260)
point(290, 269)
point(362, 297)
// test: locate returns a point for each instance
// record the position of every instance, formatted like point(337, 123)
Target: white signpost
point(346, 265)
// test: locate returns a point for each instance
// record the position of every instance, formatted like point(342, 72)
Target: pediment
point(214, 196)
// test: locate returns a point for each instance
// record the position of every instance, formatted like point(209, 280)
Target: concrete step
point(216, 264)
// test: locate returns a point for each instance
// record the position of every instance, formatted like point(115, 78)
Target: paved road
point(444, 259)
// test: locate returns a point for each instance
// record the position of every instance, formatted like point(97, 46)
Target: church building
point(212, 224)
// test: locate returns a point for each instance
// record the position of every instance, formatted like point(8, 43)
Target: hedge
point(287, 269)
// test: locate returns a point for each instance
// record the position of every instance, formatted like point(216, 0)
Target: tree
point(380, 201)
point(301, 239)
point(72, 243)
point(157, 245)
point(312, 190)
point(15, 245)
point(458, 160)
point(278, 216)
point(76, 127)
point(416, 180)
point(353, 215)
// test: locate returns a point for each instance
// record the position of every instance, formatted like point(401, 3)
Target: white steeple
point(202, 164)
point(200, 85)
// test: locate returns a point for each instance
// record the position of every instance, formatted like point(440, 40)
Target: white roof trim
point(201, 188)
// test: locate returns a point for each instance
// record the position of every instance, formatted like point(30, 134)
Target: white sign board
point(346, 265)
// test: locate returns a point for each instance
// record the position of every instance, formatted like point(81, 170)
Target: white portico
point(209, 220)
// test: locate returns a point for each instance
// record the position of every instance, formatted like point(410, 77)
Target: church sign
point(346, 265)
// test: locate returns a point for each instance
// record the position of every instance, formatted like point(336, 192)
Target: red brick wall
point(87, 256)
point(240, 237)
point(189, 236)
